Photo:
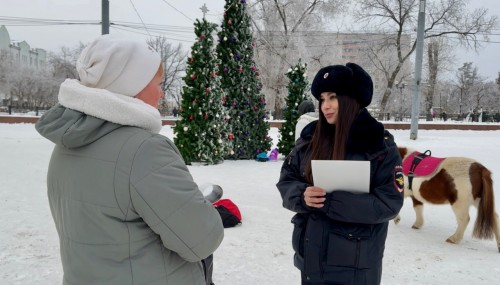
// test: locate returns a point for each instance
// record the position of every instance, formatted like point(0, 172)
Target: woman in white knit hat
point(125, 206)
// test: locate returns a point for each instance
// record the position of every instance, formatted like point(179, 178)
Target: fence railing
point(449, 125)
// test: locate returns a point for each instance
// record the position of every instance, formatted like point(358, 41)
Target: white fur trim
point(112, 107)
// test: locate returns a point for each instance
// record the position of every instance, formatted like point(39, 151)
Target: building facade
point(21, 55)
point(21, 52)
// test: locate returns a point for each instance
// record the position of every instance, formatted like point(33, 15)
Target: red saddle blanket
point(426, 167)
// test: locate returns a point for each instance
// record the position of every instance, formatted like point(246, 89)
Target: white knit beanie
point(118, 65)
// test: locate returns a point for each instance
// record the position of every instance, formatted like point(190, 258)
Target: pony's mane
point(404, 151)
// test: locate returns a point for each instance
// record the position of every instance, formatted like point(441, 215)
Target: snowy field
point(259, 251)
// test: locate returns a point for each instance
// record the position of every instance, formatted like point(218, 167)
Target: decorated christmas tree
point(202, 133)
point(297, 88)
point(241, 83)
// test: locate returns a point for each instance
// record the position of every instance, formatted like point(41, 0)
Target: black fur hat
point(349, 80)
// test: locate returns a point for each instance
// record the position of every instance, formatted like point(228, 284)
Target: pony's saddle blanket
point(421, 164)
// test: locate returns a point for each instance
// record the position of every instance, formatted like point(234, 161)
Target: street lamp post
point(460, 102)
point(10, 104)
point(401, 86)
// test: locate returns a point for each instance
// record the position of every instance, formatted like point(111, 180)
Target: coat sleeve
point(381, 205)
point(166, 197)
point(301, 123)
point(292, 185)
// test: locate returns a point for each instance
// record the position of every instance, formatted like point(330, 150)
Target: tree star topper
point(204, 9)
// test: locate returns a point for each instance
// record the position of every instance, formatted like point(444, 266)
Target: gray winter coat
point(125, 206)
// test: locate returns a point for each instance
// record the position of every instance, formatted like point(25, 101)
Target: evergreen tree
point(297, 88)
point(240, 81)
point(202, 133)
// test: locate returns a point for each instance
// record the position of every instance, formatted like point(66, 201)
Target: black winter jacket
point(344, 241)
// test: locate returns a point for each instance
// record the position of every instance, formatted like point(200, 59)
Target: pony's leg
point(462, 215)
point(419, 213)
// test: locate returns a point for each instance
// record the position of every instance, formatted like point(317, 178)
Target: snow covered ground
point(259, 251)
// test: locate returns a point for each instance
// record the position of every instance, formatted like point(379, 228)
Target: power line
point(11, 21)
point(178, 30)
point(23, 21)
point(19, 21)
point(132, 30)
point(177, 10)
point(137, 12)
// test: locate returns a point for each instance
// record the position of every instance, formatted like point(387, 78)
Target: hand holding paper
point(314, 196)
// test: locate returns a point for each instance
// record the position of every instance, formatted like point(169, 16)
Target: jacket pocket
point(348, 246)
point(299, 221)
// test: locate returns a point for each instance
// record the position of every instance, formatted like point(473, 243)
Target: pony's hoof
point(499, 249)
point(449, 240)
point(415, 227)
point(397, 220)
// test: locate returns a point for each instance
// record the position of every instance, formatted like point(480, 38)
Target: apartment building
point(21, 52)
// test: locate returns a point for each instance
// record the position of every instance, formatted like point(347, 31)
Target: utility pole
point(105, 17)
point(415, 108)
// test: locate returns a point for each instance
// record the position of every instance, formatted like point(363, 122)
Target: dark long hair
point(330, 141)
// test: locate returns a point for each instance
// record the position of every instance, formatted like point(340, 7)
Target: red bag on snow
point(229, 213)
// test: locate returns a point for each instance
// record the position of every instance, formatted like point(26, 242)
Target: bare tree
point(174, 64)
point(479, 94)
point(44, 90)
point(491, 99)
point(25, 87)
point(433, 63)
point(467, 78)
point(6, 68)
point(21, 81)
point(63, 63)
point(439, 58)
point(444, 18)
point(279, 26)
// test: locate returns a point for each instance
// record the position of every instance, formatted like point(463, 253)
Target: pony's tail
point(486, 223)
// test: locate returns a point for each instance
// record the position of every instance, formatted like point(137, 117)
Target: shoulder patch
point(399, 179)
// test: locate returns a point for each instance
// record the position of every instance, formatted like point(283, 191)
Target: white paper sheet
point(347, 175)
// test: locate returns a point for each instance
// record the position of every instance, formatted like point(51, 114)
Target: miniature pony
point(458, 181)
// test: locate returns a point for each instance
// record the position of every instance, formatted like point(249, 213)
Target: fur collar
point(108, 106)
point(366, 134)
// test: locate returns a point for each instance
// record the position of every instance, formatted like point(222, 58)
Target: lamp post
point(10, 104)
point(460, 101)
point(401, 86)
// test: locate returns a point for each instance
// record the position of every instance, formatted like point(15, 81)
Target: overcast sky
point(174, 18)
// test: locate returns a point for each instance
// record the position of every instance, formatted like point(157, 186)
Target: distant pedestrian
point(307, 114)
point(444, 117)
point(174, 112)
